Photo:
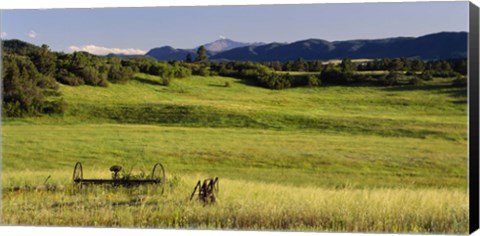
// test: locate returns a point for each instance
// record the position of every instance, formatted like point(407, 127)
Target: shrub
point(203, 71)
point(13, 109)
point(359, 78)
point(409, 73)
point(241, 70)
point(275, 81)
point(460, 81)
point(181, 72)
point(68, 78)
point(120, 74)
point(72, 81)
point(166, 81)
point(23, 86)
point(444, 73)
point(426, 75)
point(93, 77)
point(59, 106)
point(391, 78)
point(415, 81)
point(313, 81)
point(335, 76)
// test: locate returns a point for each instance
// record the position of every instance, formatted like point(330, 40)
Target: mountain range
point(166, 53)
point(442, 45)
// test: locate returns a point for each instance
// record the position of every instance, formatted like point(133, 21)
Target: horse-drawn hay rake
point(157, 177)
point(205, 190)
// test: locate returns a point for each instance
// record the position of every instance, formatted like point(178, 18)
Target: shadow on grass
point(217, 85)
point(249, 82)
point(147, 81)
point(460, 102)
point(87, 205)
point(416, 88)
point(457, 92)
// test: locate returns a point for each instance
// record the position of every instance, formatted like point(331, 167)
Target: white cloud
point(98, 50)
point(222, 37)
point(3, 35)
point(32, 34)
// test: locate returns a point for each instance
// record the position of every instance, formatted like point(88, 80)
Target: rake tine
point(195, 189)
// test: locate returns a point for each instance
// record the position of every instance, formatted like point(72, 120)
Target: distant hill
point(225, 44)
point(18, 46)
point(443, 45)
point(124, 56)
point(169, 53)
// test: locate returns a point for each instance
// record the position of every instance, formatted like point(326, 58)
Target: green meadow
point(329, 158)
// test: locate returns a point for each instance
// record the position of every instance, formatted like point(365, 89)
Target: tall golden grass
point(243, 205)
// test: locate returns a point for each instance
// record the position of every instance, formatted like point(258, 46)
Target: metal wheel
point(158, 173)
point(216, 187)
point(78, 172)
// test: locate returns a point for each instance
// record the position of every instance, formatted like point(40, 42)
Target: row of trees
point(31, 73)
point(440, 68)
point(344, 73)
point(25, 88)
point(265, 74)
point(297, 65)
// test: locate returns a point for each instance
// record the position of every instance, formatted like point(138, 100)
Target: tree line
point(31, 74)
point(439, 68)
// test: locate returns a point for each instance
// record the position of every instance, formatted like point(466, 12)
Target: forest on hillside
point(31, 75)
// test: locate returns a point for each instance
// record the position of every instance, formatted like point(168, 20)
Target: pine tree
point(201, 55)
point(188, 58)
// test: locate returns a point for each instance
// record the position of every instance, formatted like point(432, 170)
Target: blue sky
point(136, 30)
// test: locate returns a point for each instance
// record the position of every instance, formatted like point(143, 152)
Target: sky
point(136, 30)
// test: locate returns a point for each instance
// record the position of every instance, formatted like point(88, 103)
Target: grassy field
point(336, 62)
point(333, 158)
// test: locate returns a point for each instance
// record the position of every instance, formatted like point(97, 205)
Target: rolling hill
point(167, 53)
point(443, 45)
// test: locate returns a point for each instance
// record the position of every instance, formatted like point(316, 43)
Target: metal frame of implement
point(207, 190)
point(157, 177)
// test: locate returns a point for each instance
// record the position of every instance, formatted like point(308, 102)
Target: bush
point(313, 81)
point(68, 78)
point(444, 73)
point(241, 70)
point(360, 78)
point(59, 106)
point(182, 72)
point(23, 86)
point(227, 85)
point(409, 73)
point(72, 81)
point(275, 81)
point(426, 75)
point(13, 109)
point(224, 71)
point(167, 70)
point(120, 74)
point(166, 81)
point(391, 78)
point(92, 76)
point(460, 81)
point(335, 76)
point(202, 71)
point(415, 81)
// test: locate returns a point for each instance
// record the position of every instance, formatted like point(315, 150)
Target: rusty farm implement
point(157, 177)
point(207, 190)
